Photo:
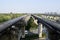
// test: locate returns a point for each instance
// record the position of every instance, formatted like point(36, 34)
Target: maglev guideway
point(50, 24)
point(9, 23)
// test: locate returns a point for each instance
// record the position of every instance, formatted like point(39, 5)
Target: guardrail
point(9, 23)
point(52, 25)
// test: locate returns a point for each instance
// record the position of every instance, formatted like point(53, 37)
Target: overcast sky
point(30, 6)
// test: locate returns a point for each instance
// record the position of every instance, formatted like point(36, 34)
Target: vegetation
point(31, 24)
point(44, 35)
point(31, 37)
point(5, 17)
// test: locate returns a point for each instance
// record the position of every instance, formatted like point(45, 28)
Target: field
point(6, 17)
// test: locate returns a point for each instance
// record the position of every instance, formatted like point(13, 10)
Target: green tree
point(31, 24)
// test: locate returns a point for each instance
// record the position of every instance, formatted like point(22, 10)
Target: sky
point(30, 6)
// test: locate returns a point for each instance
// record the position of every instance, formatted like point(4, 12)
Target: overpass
point(52, 27)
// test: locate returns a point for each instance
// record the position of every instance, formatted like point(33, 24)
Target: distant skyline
point(29, 6)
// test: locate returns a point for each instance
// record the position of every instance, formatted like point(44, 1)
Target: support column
point(19, 35)
point(23, 32)
point(40, 29)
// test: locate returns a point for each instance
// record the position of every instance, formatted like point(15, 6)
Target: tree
point(30, 24)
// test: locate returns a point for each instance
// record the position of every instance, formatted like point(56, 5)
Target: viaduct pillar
point(40, 29)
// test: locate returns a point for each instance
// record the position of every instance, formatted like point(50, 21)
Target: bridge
point(17, 27)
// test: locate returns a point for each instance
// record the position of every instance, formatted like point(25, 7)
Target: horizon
point(29, 6)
